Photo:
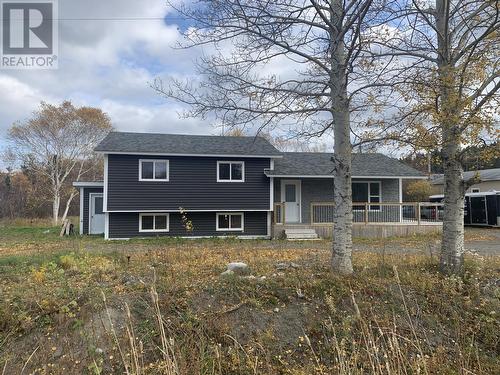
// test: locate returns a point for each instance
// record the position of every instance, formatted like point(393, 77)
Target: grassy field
point(87, 306)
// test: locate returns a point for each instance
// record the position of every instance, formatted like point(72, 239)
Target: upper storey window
point(230, 171)
point(153, 170)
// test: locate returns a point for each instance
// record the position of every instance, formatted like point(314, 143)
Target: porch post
point(400, 200)
point(81, 209)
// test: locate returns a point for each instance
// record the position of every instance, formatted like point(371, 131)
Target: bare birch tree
point(283, 62)
point(58, 142)
point(448, 58)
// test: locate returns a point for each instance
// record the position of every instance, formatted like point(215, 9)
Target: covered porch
point(378, 210)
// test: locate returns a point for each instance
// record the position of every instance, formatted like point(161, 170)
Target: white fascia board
point(88, 184)
point(199, 155)
point(105, 191)
point(330, 176)
point(174, 211)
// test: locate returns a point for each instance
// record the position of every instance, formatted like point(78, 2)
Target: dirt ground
point(490, 245)
point(482, 241)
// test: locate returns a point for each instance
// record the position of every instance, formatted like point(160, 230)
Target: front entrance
point(96, 214)
point(291, 198)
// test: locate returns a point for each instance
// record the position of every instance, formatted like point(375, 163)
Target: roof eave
point(354, 176)
point(180, 154)
point(88, 184)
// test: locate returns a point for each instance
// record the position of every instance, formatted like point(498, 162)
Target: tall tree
point(280, 62)
point(58, 142)
point(448, 56)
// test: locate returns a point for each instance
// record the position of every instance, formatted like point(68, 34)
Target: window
point(366, 192)
point(153, 170)
point(98, 209)
point(230, 171)
point(227, 222)
point(290, 195)
point(153, 222)
point(475, 190)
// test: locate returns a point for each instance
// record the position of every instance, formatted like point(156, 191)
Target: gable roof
point(180, 144)
point(307, 164)
point(484, 175)
point(311, 164)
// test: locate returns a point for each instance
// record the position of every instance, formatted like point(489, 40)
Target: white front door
point(96, 219)
point(290, 196)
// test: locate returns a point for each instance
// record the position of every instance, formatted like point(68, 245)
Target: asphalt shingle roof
point(484, 175)
point(320, 164)
point(286, 164)
point(186, 144)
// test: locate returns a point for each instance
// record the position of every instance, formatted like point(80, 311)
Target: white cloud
point(107, 64)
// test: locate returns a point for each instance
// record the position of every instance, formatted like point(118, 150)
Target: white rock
point(227, 273)
point(239, 268)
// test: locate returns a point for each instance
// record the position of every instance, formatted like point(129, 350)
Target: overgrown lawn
point(83, 305)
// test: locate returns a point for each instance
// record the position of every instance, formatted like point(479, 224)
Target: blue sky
point(109, 64)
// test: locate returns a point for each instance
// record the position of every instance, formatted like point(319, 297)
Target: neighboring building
point(227, 186)
point(489, 181)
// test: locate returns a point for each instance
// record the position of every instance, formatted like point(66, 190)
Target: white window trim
point(370, 195)
point(242, 229)
point(154, 161)
point(230, 172)
point(154, 214)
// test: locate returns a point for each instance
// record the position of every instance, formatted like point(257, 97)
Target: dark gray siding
point(86, 192)
point(193, 185)
point(126, 225)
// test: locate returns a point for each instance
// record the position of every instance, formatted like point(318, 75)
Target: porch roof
point(318, 164)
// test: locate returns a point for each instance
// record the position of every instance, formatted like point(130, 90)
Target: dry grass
point(167, 311)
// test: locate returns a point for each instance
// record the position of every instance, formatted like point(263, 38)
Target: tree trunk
point(342, 196)
point(452, 245)
point(55, 209)
point(342, 191)
point(68, 204)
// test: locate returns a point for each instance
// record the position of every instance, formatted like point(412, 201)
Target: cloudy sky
point(108, 64)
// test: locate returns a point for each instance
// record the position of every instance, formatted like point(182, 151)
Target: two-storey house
point(205, 186)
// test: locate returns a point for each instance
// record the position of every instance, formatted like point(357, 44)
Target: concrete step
point(301, 234)
point(300, 230)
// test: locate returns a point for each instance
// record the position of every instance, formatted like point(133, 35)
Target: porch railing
point(420, 213)
point(279, 213)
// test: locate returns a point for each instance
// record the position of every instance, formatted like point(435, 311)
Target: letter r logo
point(27, 28)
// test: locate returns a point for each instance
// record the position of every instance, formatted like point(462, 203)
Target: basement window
point(229, 222)
point(154, 222)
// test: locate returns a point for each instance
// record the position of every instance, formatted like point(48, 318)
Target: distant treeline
point(473, 159)
point(27, 193)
